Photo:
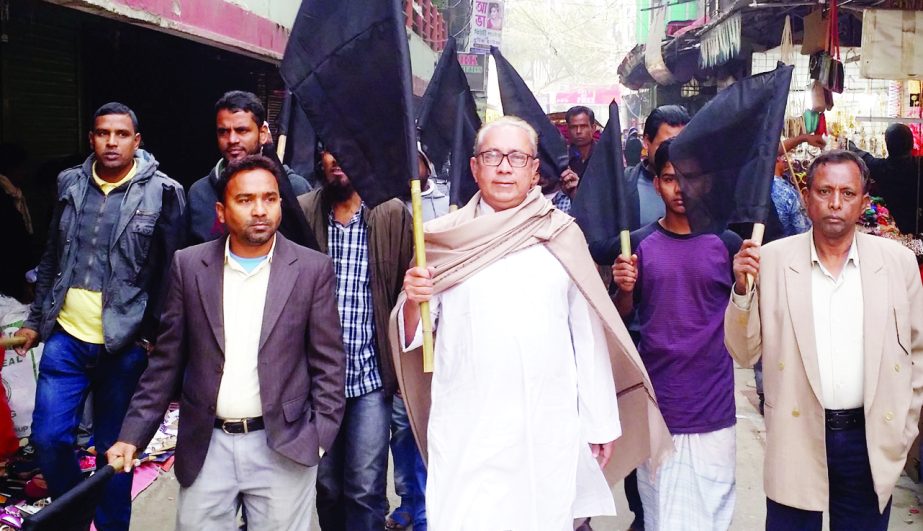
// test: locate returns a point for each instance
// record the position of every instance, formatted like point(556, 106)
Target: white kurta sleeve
point(598, 407)
point(434, 305)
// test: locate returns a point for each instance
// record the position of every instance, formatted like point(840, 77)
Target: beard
point(258, 234)
point(337, 191)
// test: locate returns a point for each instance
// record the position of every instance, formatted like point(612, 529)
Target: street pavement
point(155, 508)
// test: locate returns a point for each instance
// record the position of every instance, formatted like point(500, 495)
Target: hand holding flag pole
point(285, 118)
point(757, 236)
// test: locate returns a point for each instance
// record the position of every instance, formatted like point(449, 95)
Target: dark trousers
point(409, 470)
point(853, 502)
point(352, 475)
point(634, 500)
point(68, 370)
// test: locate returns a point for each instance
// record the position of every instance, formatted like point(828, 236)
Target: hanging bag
point(891, 44)
point(835, 73)
point(815, 32)
point(821, 97)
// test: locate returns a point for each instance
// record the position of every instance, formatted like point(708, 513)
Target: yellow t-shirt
point(82, 313)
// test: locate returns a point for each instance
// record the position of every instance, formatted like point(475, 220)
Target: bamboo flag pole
point(12, 341)
point(280, 146)
point(419, 249)
point(757, 236)
point(625, 241)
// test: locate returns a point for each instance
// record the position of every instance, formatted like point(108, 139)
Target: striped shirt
point(349, 249)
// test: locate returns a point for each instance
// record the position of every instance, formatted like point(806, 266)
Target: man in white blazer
point(837, 317)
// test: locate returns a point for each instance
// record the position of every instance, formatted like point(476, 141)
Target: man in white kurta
point(523, 397)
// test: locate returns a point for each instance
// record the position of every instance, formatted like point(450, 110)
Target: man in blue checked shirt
point(370, 248)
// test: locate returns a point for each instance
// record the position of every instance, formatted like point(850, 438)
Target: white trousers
point(277, 493)
point(694, 489)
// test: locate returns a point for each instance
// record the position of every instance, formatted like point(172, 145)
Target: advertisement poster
point(475, 67)
point(486, 25)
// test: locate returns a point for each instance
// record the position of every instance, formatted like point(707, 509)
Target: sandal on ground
point(399, 519)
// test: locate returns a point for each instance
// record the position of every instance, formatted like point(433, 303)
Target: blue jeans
point(853, 502)
point(68, 370)
point(352, 475)
point(409, 470)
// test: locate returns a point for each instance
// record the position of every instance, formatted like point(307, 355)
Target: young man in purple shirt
point(678, 282)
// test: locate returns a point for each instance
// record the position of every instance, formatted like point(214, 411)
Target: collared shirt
point(562, 202)
point(349, 249)
point(838, 319)
point(838, 329)
point(106, 186)
point(244, 300)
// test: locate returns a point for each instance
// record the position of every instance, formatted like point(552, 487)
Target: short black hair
point(662, 157)
point(580, 109)
point(241, 100)
point(838, 156)
point(114, 107)
point(899, 140)
point(672, 115)
point(250, 162)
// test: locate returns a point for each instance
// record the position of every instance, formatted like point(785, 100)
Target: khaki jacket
point(779, 327)
point(390, 240)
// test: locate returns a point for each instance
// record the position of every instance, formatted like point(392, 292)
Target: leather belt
point(844, 419)
point(236, 426)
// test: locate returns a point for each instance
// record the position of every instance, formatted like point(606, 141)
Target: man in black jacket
point(241, 127)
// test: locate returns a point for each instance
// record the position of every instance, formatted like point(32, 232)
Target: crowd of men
point(297, 370)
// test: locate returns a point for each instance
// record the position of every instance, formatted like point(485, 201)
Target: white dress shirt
point(838, 320)
point(838, 330)
point(244, 298)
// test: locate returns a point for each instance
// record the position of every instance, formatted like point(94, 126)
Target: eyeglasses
point(517, 159)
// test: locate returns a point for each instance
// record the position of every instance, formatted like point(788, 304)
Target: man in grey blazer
point(251, 334)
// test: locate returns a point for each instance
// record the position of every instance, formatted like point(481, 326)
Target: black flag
point(599, 205)
point(293, 225)
point(724, 158)
point(438, 112)
point(348, 64)
point(300, 139)
point(518, 100)
point(462, 185)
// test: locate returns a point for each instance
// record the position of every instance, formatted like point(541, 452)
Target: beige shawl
point(460, 244)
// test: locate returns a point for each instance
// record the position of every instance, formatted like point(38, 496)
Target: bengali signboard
point(588, 96)
point(486, 25)
point(475, 67)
